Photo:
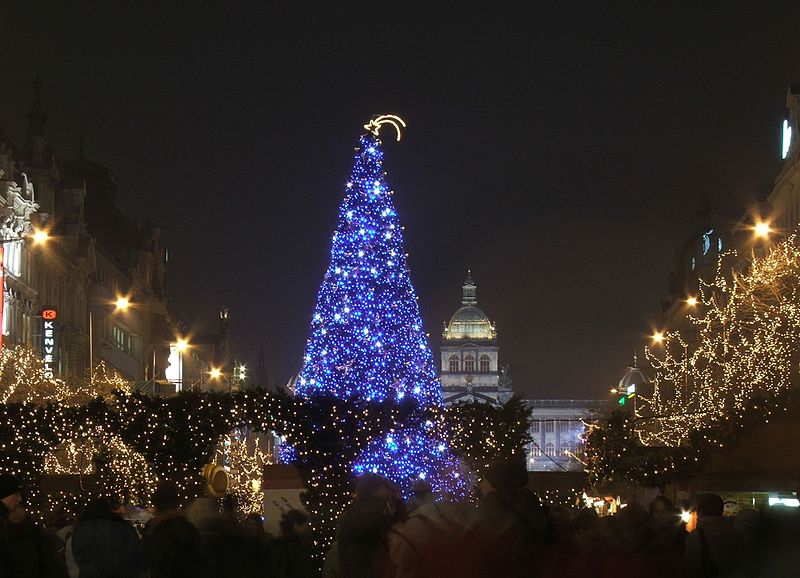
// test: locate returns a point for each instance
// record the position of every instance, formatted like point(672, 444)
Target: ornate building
point(60, 297)
point(469, 355)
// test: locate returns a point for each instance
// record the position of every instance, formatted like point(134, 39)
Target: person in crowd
point(628, 543)
point(426, 542)
point(668, 536)
point(587, 546)
point(291, 553)
point(257, 541)
point(104, 544)
point(65, 535)
point(559, 539)
point(171, 544)
point(423, 494)
point(362, 529)
point(10, 500)
point(253, 525)
point(714, 548)
point(34, 551)
point(509, 533)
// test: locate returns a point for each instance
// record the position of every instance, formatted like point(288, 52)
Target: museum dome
point(469, 322)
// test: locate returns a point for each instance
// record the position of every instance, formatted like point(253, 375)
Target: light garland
point(742, 343)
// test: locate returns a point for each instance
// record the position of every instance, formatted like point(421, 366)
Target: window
point(536, 451)
point(453, 363)
point(565, 449)
point(12, 258)
point(484, 362)
point(535, 426)
point(549, 449)
point(549, 426)
point(124, 340)
point(469, 364)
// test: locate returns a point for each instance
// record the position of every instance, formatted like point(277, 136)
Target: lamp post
point(36, 237)
point(122, 303)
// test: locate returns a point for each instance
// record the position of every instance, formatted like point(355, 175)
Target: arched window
point(453, 362)
point(469, 364)
point(484, 362)
point(565, 449)
point(549, 449)
point(536, 451)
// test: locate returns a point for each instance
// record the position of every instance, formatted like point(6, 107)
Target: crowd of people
point(508, 534)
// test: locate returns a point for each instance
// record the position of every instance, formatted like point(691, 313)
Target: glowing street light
point(762, 230)
point(182, 344)
point(658, 337)
point(40, 237)
point(122, 303)
point(692, 301)
point(215, 373)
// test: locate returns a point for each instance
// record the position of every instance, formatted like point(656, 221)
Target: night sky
point(559, 152)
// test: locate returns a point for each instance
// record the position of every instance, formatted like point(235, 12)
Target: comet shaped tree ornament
point(375, 124)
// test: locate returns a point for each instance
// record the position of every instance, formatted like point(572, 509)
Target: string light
point(740, 344)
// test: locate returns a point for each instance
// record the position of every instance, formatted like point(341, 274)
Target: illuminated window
point(453, 363)
point(536, 451)
point(124, 340)
point(549, 449)
point(549, 426)
point(565, 449)
point(469, 364)
point(12, 258)
point(484, 361)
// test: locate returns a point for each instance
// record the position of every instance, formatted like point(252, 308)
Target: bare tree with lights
point(742, 343)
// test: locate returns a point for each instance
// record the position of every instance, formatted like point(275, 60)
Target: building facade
point(469, 355)
point(557, 431)
point(96, 260)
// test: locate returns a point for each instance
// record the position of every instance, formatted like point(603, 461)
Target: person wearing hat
point(10, 500)
point(172, 546)
point(105, 544)
point(361, 533)
point(509, 533)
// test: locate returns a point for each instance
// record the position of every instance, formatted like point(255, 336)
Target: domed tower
point(469, 355)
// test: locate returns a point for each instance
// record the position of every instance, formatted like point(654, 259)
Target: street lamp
point(692, 301)
point(762, 230)
point(122, 303)
point(37, 237)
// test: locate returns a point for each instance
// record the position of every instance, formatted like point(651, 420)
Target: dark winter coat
point(173, 548)
point(361, 531)
point(291, 557)
point(507, 537)
point(33, 551)
point(106, 546)
point(5, 557)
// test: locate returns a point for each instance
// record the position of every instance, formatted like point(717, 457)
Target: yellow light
point(182, 344)
point(692, 301)
point(40, 236)
point(658, 337)
point(215, 373)
point(374, 125)
point(122, 303)
point(762, 230)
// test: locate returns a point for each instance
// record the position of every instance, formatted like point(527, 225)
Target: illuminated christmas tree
point(367, 340)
